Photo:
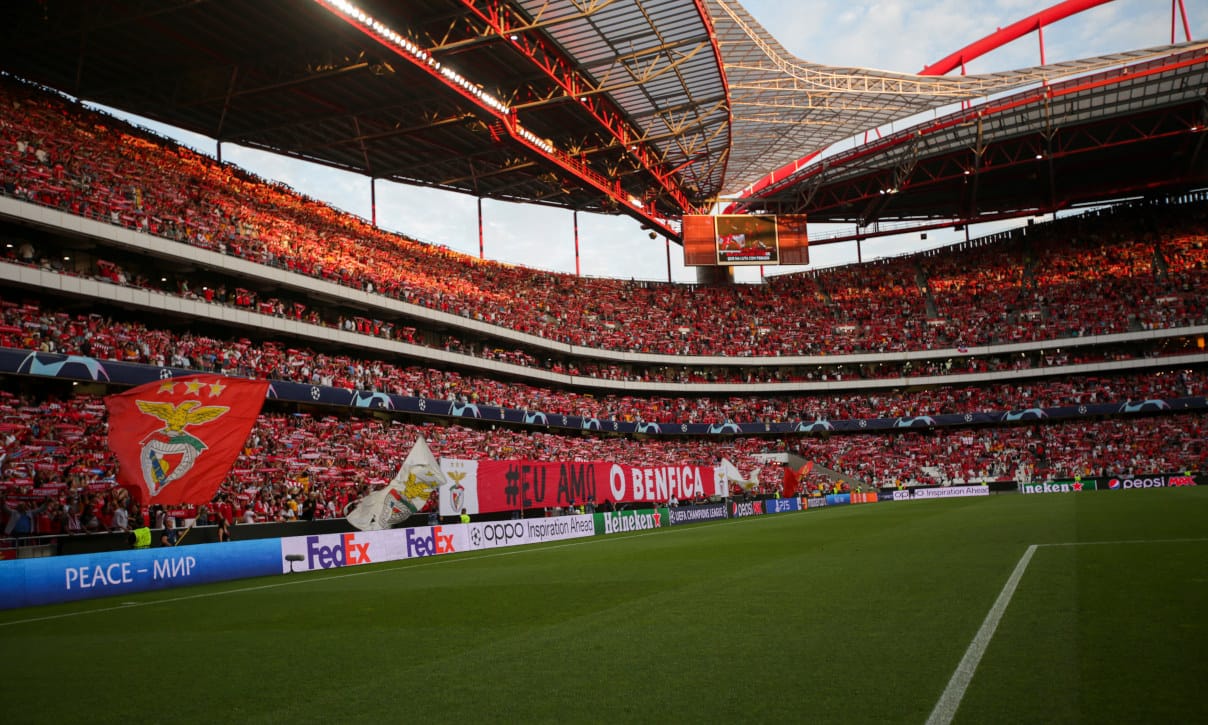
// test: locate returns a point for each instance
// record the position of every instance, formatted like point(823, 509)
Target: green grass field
point(858, 614)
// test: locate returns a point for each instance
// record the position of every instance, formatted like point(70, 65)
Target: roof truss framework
point(649, 71)
point(784, 107)
point(1137, 128)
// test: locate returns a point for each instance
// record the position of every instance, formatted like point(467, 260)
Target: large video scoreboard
point(743, 239)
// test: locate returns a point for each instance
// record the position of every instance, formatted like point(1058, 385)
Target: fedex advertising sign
point(332, 551)
point(430, 540)
point(329, 551)
point(346, 552)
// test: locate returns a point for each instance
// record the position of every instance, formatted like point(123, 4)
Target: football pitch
point(1048, 608)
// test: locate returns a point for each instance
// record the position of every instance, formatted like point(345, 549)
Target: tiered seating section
point(1068, 279)
point(1137, 269)
point(55, 452)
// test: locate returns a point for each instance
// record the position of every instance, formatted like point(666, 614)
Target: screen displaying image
point(743, 239)
point(711, 241)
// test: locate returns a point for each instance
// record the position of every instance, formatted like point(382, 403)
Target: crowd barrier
point(57, 579)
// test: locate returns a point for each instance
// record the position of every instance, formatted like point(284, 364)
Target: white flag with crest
point(461, 490)
point(406, 493)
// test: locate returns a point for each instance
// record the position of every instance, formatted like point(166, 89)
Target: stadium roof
point(785, 108)
point(1125, 131)
point(647, 107)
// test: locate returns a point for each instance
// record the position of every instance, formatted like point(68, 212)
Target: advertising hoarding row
point(327, 551)
point(31, 582)
point(950, 492)
point(1120, 483)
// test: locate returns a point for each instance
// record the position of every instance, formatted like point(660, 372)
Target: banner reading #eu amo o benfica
point(491, 486)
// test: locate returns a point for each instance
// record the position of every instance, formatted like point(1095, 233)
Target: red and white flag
point(793, 479)
point(176, 439)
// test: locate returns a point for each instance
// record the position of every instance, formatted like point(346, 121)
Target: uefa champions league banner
point(491, 486)
point(77, 367)
point(695, 514)
point(55, 579)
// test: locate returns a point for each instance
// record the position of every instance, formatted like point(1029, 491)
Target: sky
point(895, 35)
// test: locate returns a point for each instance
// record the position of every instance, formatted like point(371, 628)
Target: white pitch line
point(950, 700)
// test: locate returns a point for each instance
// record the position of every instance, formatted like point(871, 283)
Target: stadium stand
point(1072, 278)
point(134, 179)
point(29, 327)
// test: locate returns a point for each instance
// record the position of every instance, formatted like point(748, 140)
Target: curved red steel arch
point(1012, 32)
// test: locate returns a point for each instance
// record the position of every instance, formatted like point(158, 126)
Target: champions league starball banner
point(76, 367)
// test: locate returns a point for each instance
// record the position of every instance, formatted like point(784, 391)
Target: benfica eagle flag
point(176, 439)
point(793, 478)
point(406, 494)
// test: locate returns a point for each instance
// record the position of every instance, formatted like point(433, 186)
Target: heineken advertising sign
point(1057, 486)
point(623, 521)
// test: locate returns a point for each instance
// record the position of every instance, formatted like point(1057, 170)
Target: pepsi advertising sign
point(1161, 481)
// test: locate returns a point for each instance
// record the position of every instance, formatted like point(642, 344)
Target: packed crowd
point(1091, 275)
point(56, 153)
point(31, 327)
point(56, 469)
point(217, 293)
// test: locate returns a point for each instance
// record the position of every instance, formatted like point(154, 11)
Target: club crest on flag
point(461, 490)
point(170, 452)
point(395, 509)
point(457, 492)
